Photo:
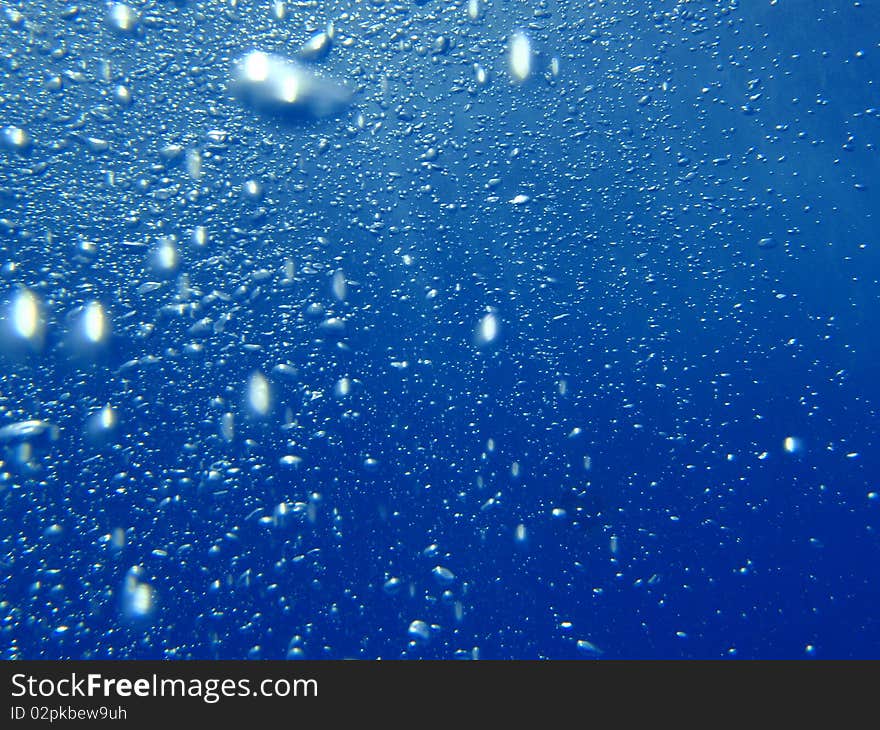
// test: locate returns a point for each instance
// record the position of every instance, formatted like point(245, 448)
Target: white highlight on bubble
point(588, 647)
point(339, 286)
point(520, 56)
point(256, 66)
point(200, 236)
point(289, 89)
point(488, 329)
point(193, 164)
point(107, 417)
point(121, 17)
point(94, 323)
point(342, 387)
point(259, 394)
point(15, 137)
point(419, 631)
point(27, 320)
point(165, 256)
point(227, 427)
point(101, 425)
point(138, 598)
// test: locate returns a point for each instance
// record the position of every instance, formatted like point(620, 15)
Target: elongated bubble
point(520, 56)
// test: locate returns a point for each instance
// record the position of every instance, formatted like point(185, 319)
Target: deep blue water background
point(633, 299)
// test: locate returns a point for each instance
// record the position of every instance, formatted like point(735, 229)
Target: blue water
point(398, 351)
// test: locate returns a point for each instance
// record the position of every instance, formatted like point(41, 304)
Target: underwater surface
point(448, 329)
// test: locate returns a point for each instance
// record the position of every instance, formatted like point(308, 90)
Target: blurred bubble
point(487, 330)
point(15, 138)
point(164, 258)
point(122, 18)
point(520, 56)
point(138, 598)
point(23, 326)
point(280, 87)
point(101, 426)
point(95, 326)
point(259, 396)
point(339, 286)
